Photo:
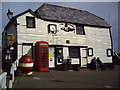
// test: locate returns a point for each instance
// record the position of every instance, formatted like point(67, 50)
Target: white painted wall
point(19, 51)
point(97, 38)
point(41, 33)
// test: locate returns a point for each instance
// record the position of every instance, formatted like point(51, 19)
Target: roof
point(63, 14)
point(66, 14)
point(29, 10)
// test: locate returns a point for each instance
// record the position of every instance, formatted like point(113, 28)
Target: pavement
point(84, 78)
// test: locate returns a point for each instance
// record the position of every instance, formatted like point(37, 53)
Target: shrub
point(64, 66)
point(76, 67)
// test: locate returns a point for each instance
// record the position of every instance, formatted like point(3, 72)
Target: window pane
point(74, 52)
point(52, 28)
point(80, 30)
point(90, 51)
point(109, 52)
point(30, 22)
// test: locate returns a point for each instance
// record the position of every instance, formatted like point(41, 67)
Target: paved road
point(84, 78)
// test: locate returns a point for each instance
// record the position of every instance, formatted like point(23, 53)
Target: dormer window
point(80, 29)
point(52, 28)
point(30, 22)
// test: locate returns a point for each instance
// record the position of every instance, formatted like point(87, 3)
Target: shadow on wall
point(29, 52)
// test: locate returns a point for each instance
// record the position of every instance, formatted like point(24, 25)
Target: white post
point(11, 76)
point(3, 81)
point(12, 69)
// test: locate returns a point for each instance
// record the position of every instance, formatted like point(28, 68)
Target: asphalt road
point(84, 78)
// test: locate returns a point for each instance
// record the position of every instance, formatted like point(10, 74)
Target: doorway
point(83, 52)
point(51, 57)
point(58, 55)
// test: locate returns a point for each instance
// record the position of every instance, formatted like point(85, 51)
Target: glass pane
point(90, 52)
point(74, 52)
point(109, 52)
point(30, 22)
point(80, 30)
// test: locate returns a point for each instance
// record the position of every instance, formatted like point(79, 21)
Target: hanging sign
point(10, 38)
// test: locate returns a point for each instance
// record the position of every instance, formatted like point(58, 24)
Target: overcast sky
point(106, 10)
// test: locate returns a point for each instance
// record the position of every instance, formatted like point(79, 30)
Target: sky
point(106, 10)
point(119, 28)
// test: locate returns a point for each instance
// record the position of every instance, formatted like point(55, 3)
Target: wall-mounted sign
point(68, 27)
point(52, 28)
point(11, 38)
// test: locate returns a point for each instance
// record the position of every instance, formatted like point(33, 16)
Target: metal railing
point(12, 70)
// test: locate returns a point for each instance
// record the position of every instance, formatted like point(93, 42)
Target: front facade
point(67, 39)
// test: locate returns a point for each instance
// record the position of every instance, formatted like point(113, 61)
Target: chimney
point(9, 14)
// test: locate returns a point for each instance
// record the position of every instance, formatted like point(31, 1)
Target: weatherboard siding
point(99, 39)
point(28, 35)
point(95, 37)
point(19, 51)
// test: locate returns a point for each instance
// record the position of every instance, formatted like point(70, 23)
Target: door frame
point(84, 57)
point(56, 61)
point(55, 46)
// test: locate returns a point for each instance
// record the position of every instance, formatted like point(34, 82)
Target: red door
point(41, 56)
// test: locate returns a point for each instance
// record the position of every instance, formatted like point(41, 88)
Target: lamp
point(9, 14)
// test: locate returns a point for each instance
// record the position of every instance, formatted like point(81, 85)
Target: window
point(30, 22)
point(109, 52)
point(80, 29)
point(90, 51)
point(52, 28)
point(74, 52)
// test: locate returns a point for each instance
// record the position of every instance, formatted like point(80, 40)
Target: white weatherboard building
point(77, 34)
